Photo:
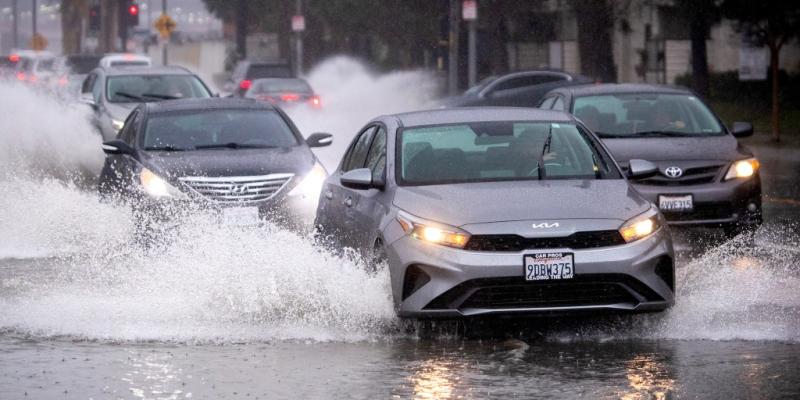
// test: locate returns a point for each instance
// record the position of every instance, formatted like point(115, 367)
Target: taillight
point(13, 58)
point(21, 76)
point(290, 97)
point(245, 84)
point(315, 101)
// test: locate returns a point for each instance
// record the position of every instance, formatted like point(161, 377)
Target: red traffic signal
point(133, 10)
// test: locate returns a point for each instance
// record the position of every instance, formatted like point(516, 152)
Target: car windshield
point(478, 87)
point(500, 151)
point(224, 128)
point(82, 64)
point(257, 71)
point(139, 88)
point(280, 86)
point(646, 114)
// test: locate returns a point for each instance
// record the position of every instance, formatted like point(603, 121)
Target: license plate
point(675, 203)
point(240, 216)
point(548, 266)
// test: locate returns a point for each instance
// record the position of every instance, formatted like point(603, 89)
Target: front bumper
point(454, 283)
point(732, 202)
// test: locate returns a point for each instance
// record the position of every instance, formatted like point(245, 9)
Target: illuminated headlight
point(742, 169)
point(117, 125)
point(156, 186)
point(432, 232)
point(641, 226)
point(311, 184)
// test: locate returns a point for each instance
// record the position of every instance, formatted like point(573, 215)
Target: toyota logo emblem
point(673, 172)
point(239, 189)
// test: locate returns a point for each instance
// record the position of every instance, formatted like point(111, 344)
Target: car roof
point(209, 103)
point(143, 70)
point(620, 88)
point(479, 114)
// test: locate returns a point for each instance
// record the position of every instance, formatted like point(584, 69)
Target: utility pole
point(241, 29)
point(33, 14)
point(164, 52)
point(15, 36)
point(299, 39)
point(452, 58)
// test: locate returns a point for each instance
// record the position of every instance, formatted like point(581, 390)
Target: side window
point(357, 154)
point(86, 87)
point(376, 158)
point(558, 105)
point(128, 132)
point(547, 103)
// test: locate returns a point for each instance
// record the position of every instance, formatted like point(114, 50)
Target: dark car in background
point(284, 92)
point(72, 70)
point(247, 71)
point(244, 159)
point(706, 177)
point(113, 92)
point(517, 89)
point(8, 65)
point(35, 67)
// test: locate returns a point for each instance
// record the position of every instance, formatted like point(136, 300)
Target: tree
point(702, 15)
point(770, 23)
point(596, 20)
point(72, 12)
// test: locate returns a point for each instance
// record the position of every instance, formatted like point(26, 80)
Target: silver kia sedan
point(498, 211)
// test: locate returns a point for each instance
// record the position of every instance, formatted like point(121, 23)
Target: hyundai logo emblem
point(673, 172)
point(239, 189)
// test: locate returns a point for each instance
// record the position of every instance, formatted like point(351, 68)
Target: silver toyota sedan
point(483, 211)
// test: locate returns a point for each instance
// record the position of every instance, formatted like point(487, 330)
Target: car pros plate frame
point(548, 265)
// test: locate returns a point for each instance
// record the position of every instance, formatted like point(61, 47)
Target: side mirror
point(319, 140)
point(742, 129)
point(88, 99)
point(357, 179)
point(639, 169)
point(117, 146)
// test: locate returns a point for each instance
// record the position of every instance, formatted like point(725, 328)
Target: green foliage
point(768, 22)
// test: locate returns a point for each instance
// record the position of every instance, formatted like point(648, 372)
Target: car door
point(334, 200)
point(363, 214)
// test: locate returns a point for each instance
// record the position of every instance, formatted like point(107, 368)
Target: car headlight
point(156, 186)
point(742, 169)
point(641, 226)
point(117, 125)
point(432, 232)
point(311, 184)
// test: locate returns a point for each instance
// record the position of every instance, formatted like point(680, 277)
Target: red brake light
point(315, 101)
point(133, 9)
point(13, 58)
point(245, 84)
point(21, 76)
point(290, 97)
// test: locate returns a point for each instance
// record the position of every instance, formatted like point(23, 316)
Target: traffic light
point(133, 14)
point(94, 18)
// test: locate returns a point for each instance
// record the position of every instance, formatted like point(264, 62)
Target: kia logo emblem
point(545, 225)
point(239, 189)
point(673, 172)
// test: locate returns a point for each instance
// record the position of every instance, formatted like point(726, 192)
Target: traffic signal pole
point(299, 38)
point(452, 58)
point(15, 34)
point(164, 51)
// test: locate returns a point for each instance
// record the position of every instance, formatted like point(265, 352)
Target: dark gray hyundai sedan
point(498, 211)
point(706, 177)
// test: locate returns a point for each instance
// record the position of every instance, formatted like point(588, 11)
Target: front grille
point(510, 293)
point(230, 189)
point(578, 240)
point(701, 211)
point(691, 176)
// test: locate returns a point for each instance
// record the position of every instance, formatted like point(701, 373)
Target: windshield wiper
point(160, 96)
point(610, 135)
point(128, 95)
point(165, 148)
point(663, 133)
point(234, 145)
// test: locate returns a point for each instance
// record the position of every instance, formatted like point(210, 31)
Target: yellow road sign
point(38, 42)
point(165, 25)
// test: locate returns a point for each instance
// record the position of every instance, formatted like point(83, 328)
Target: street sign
point(165, 25)
point(298, 23)
point(469, 10)
point(38, 42)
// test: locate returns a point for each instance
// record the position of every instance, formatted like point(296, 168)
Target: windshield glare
point(499, 151)
point(646, 113)
point(136, 88)
point(233, 128)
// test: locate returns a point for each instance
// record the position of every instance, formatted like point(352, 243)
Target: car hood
point(475, 203)
point(722, 148)
point(120, 111)
point(229, 162)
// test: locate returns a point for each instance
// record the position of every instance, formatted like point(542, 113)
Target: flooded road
point(228, 312)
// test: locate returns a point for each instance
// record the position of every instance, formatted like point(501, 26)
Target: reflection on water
point(434, 379)
point(648, 378)
point(151, 375)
